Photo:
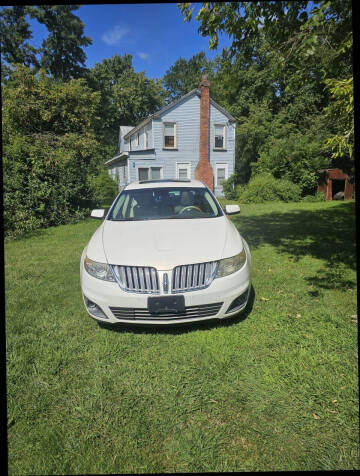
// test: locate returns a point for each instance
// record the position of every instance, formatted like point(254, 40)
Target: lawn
point(273, 389)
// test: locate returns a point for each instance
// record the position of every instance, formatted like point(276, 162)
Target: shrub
point(294, 156)
point(41, 187)
point(229, 187)
point(265, 188)
point(49, 150)
point(318, 197)
point(104, 187)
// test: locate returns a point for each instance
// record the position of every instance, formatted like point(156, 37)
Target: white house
point(193, 137)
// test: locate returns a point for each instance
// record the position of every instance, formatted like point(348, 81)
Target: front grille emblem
point(166, 283)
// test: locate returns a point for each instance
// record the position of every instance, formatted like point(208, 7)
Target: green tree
point(293, 155)
point(341, 112)
point(137, 96)
point(243, 20)
point(126, 97)
point(62, 54)
point(279, 79)
point(15, 31)
point(185, 75)
point(50, 150)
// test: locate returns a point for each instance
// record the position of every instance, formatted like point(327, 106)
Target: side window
point(221, 174)
point(219, 136)
point(169, 135)
point(155, 173)
point(143, 174)
point(146, 137)
point(183, 171)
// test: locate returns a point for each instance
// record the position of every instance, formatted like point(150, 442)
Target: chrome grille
point(192, 277)
point(202, 311)
point(137, 279)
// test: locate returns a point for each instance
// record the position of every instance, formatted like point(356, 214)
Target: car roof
point(164, 183)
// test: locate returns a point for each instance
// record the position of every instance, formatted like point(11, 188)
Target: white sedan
point(165, 253)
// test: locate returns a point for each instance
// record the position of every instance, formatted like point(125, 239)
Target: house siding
point(141, 133)
point(186, 117)
point(226, 156)
point(119, 168)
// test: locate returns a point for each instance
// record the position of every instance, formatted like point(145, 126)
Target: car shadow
point(185, 327)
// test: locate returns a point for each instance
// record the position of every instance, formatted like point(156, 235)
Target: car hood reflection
point(164, 244)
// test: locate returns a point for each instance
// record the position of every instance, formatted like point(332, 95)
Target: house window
point(137, 139)
point(222, 173)
point(149, 173)
point(156, 173)
point(130, 145)
point(183, 171)
point(169, 135)
point(146, 138)
point(219, 136)
point(143, 174)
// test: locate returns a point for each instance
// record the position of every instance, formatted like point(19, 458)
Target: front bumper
point(128, 307)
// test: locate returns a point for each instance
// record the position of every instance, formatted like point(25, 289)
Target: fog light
point(238, 302)
point(94, 309)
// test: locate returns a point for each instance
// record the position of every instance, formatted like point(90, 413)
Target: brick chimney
point(204, 171)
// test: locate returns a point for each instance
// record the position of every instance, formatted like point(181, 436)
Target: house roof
point(125, 129)
point(118, 157)
point(166, 108)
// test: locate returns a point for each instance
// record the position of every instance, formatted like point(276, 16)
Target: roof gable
point(177, 102)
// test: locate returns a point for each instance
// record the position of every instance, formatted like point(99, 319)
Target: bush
point(41, 187)
point(49, 150)
point(265, 188)
point(318, 197)
point(229, 187)
point(294, 156)
point(104, 187)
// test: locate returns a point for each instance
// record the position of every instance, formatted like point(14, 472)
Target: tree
point(50, 150)
point(185, 75)
point(127, 97)
point(62, 53)
point(341, 112)
point(291, 64)
point(15, 31)
point(243, 20)
point(137, 96)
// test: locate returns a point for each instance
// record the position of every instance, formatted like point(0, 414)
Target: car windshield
point(165, 203)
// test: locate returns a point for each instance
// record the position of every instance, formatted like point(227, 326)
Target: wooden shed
point(335, 183)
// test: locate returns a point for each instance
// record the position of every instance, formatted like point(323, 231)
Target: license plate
point(166, 304)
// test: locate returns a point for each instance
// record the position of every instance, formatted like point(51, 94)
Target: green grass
point(274, 389)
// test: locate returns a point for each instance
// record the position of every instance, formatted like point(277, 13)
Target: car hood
point(165, 244)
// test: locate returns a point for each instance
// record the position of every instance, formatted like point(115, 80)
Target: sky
point(155, 34)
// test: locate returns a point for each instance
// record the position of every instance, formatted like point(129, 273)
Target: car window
point(165, 203)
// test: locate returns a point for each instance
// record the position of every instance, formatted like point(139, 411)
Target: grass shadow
point(326, 234)
point(181, 328)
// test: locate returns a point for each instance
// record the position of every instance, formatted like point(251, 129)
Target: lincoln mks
point(164, 253)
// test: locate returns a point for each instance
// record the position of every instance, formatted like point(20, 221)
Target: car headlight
point(230, 265)
point(98, 270)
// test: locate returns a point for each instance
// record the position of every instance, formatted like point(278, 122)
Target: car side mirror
point(232, 209)
point(99, 213)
